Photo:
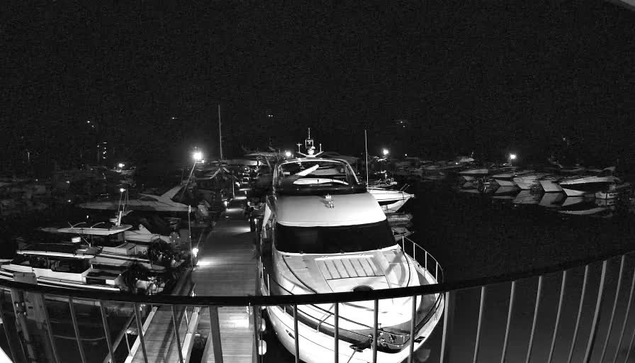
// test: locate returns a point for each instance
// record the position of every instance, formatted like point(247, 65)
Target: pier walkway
point(226, 266)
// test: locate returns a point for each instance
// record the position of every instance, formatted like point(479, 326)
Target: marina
point(412, 182)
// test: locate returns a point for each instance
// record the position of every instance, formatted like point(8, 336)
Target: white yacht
point(528, 180)
point(589, 184)
point(71, 265)
point(322, 233)
point(391, 201)
point(549, 183)
point(118, 249)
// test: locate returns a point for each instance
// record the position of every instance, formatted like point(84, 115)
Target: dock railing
point(578, 311)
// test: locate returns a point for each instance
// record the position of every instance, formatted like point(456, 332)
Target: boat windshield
point(358, 238)
point(303, 176)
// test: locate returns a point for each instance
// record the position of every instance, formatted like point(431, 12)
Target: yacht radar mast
point(309, 146)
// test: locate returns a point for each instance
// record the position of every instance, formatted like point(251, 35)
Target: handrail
point(312, 298)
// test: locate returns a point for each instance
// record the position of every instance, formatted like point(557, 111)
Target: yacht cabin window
point(340, 239)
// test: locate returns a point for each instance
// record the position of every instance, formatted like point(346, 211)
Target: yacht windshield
point(321, 174)
point(359, 238)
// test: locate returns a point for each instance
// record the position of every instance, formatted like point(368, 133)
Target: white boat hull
point(318, 347)
point(550, 186)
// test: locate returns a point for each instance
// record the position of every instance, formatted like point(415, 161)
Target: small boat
point(529, 180)
point(549, 183)
point(71, 265)
point(391, 201)
point(589, 184)
point(614, 191)
point(506, 179)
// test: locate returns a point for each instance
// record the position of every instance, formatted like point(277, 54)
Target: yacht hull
point(318, 347)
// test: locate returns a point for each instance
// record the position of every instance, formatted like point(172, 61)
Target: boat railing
point(577, 311)
point(421, 256)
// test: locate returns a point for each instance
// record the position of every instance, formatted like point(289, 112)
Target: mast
point(366, 153)
point(220, 134)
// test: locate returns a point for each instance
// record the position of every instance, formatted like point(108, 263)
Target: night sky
point(484, 76)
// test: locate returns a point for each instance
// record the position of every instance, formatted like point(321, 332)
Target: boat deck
point(226, 266)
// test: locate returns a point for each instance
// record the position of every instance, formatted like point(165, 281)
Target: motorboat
point(506, 179)
point(589, 184)
point(330, 237)
point(71, 265)
point(549, 183)
point(473, 173)
point(117, 250)
point(179, 199)
point(391, 201)
point(614, 191)
point(528, 180)
point(338, 243)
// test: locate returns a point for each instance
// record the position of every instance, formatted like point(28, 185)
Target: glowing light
point(385, 152)
point(121, 190)
point(195, 251)
point(288, 154)
point(121, 165)
point(512, 156)
point(205, 263)
point(197, 156)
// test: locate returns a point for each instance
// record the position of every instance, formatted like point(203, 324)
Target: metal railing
point(578, 311)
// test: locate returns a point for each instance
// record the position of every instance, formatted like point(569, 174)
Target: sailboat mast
point(220, 134)
point(366, 153)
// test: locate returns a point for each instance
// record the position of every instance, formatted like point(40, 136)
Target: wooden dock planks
point(229, 267)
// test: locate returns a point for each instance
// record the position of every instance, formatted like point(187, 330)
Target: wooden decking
point(227, 266)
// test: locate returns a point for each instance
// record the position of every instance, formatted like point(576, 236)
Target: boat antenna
point(220, 134)
point(366, 153)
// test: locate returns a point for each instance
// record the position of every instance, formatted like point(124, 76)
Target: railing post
point(140, 328)
point(534, 321)
point(448, 322)
point(177, 336)
point(558, 314)
point(375, 328)
point(104, 320)
point(413, 323)
point(296, 331)
point(481, 308)
point(626, 314)
point(596, 315)
point(617, 294)
point(76, 328)
point(580, 306)
point(512, 296)
point(336, 335)
point(215, 334)
point(47, 323)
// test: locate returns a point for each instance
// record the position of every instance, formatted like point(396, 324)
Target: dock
point(227, 265)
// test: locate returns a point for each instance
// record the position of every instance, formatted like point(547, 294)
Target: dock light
point(121, 190)
point(287, 154)
point(385, 152)
point(195, 251)
point(197, 156)
point(512, 157)
point(121, 165)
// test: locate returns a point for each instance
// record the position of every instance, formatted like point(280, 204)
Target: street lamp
point(198, 157)
point(385, 152)
point(512, 157)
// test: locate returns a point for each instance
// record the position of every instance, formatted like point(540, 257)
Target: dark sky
point(485, 76)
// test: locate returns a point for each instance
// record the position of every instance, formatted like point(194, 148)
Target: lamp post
point(512, 157)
